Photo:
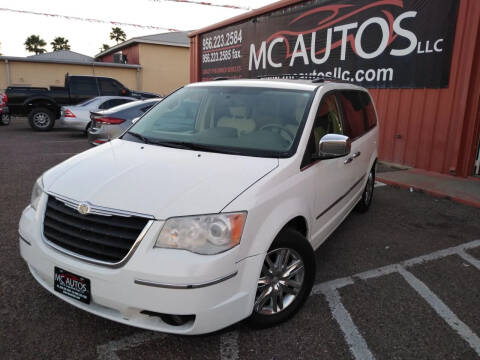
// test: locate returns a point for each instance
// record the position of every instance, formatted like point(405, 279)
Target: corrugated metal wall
point(431, 129)
point(425, 128)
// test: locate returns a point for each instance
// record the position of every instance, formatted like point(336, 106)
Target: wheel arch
point(298, 223)
point(41, 101)
point(261, 231)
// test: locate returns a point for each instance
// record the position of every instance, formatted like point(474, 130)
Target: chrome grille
point(107, 238)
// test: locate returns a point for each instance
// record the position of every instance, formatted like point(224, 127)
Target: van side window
point(369, 112)
point(358, 111)
point(327, 121)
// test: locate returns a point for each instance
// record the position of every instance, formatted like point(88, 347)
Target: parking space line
point(108, 351)
point(356, 343)
point(442, 310)
point(62, 141)
point(470, 259)
point(229, 342)
point(229, 346)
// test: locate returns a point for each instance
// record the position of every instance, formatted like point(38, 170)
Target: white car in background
point(77, 117)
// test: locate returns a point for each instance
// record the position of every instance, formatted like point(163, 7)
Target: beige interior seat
point(238, 120)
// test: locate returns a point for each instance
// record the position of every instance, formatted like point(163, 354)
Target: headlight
point(36, 193)
point(205, 234)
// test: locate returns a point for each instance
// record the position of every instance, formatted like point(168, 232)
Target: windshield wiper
point(138, 136)
point(194, 146)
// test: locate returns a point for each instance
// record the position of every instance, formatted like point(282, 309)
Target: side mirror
point(334, 146)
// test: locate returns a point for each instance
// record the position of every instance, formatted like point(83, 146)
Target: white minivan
point(208, 209)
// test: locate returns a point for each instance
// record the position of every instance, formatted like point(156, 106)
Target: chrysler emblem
point(83, 209)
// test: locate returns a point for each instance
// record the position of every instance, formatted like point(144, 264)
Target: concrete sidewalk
point(465, 191)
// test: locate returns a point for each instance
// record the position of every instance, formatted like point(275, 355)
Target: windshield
point(241, 120)
point(89, 101)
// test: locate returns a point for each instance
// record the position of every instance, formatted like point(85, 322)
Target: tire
point(89, 125)
point(367, 196)
point(5, 119)
point(41, 119)
point(291, 290)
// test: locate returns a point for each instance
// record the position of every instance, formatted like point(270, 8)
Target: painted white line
point(108, 351)
point(390, 269)
point(470, 259)
point(379, 184)
point(63, 153)
point(62, 141)
point(442, 310)
point(356, 343)
point(229, 346)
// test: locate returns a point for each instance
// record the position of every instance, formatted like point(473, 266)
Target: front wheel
point(286, 280)
point(5, 119)
point(41, 119)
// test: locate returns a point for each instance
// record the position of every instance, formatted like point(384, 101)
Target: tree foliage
point(35, 44)
point(60, 43)
point(118, 34)
point(104, 47)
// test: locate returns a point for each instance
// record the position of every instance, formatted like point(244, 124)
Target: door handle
point(348, 160)
point(357, 154)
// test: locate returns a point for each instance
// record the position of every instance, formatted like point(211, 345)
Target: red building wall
point(131, 52)
point(431, 129)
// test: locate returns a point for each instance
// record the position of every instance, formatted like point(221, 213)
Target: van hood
point(153, 180)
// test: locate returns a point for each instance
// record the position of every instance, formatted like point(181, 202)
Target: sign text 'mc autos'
point(379, 43)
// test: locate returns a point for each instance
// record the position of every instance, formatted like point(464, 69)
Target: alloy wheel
point(41, 119)
point(280, 282)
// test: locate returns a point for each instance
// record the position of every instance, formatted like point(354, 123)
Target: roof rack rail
point(314, 78)
point(221, 78)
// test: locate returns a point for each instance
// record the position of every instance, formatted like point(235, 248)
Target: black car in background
point(42, 105)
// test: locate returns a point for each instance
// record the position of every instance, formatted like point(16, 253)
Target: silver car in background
point(109, 124)
point(77, 117)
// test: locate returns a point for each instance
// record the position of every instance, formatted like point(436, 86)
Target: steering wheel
point(281, 129)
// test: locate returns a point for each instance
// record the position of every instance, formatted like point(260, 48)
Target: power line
point(88, 19)
point(199, 2)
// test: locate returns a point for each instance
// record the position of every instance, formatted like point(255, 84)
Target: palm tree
point(35, 44)
point(104, 47)
point(60, 43)
point(118, 34)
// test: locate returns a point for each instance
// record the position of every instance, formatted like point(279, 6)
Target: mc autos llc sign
point(379, 44)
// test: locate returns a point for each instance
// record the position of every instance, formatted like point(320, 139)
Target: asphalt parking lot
point(400, 282)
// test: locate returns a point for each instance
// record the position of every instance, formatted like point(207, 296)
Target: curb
point(434, 193)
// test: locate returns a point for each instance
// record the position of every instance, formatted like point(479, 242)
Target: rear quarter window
point(358, 111)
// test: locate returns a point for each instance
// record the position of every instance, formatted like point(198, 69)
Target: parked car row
point(109, 124)
point(77, 117)
point(43, 106)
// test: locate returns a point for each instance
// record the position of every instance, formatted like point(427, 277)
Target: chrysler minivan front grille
point(104, 238)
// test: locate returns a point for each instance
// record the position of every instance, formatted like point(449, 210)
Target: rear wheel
point(41, 119)
point(367, 196)
point(286, 279)
point(88, 128)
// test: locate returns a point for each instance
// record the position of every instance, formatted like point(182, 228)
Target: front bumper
point(122, 294)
